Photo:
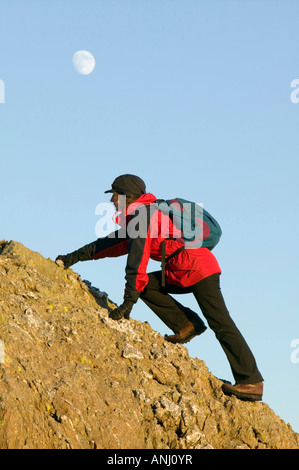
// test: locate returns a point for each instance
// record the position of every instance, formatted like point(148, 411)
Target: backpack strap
point(165, 259)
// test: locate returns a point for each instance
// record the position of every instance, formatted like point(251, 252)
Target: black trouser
point(210, 300)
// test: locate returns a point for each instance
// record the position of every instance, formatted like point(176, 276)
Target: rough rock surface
point(73, 378)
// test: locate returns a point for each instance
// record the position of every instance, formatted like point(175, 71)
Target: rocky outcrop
point(73, 378)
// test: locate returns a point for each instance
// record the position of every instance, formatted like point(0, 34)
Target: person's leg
point(169, 310)
point(209, 297)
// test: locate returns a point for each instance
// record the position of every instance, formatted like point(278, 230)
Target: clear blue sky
point(194, 97)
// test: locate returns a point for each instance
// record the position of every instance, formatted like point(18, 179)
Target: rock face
point(73, 378)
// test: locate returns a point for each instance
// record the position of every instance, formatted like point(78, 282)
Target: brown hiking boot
point(250, 392)
point(185, 334)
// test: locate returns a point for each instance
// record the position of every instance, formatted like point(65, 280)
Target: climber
point(193, 271)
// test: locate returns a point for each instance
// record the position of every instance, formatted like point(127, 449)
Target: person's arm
point(82, 254)
point(139, 248)
point(114, 244)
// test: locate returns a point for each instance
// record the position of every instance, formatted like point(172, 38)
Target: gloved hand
point(83, 254)
point(123, 311)
point(66, 259)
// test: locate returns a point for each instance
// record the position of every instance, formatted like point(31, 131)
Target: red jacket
point(143, 228)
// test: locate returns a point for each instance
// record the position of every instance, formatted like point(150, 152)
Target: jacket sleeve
point(139, 249)
point(84, 253)
point(113, 245)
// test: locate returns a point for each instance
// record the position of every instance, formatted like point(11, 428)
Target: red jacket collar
point(145, 199)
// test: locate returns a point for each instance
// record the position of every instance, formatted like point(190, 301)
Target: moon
point(84, 62)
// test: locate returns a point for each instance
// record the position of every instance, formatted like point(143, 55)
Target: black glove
point(123, 311)
point(83, 254)
point(68, 260)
